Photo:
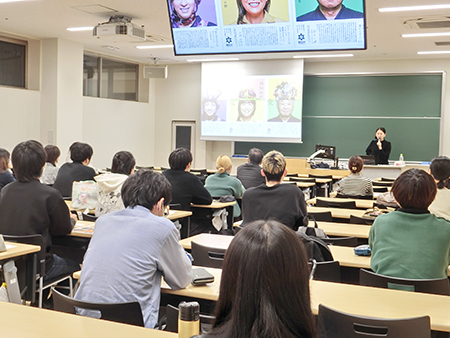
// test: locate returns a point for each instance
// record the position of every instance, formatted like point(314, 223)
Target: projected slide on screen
point(247, 26)
point(252, 107)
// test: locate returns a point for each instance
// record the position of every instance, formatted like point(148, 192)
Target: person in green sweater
point(222, 184)
point(411, 242)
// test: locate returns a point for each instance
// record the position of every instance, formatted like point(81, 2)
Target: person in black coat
point(380, 148)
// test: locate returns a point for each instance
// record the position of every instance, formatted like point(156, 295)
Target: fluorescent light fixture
point(424, 35)
point(154, 46)
point(5, 1)
point(434, 52)
point(322, 56)
point(79, 29)
point(212, 60)
point(414, 8)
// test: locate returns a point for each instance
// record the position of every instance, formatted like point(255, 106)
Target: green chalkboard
point(345, 111)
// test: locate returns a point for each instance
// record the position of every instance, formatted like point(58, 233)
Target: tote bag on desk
point(84, 195)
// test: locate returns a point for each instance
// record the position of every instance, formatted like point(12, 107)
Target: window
point(12, 63)
point(110, 79)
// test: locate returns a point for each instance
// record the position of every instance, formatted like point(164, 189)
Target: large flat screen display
point(252, 101)
point(252, 26)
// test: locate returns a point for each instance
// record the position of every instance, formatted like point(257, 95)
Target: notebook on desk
point(368, 160)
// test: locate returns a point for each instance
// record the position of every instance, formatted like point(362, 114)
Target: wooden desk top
point(18, 249)
point(214, 205)
point(344, 229)
point(301, 184)
point(338, 212)
point(360, 203)
point(355, 299)
point(211, 240)
point(209, 291)
point(86, 228)
point(26, 321)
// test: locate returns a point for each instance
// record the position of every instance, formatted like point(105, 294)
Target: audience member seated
point(78, 170)
point(5, 174)
point(411, 242)
point(186, 187)
point(250, 173)
point(440, 170)
point(355, 184)
point(264, 290)
point(274, 200)
point(110, 184)
point(50, 170)
point(132, 248)
point(222, 184)
point(28, 207)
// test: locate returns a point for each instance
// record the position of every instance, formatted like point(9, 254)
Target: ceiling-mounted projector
point(119, 27)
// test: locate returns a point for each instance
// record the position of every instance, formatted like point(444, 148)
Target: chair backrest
point(322, 216)
point(207, 256)
point(361, 220)
point(382, 183)
point(380, 189)
point(127, 313)
point(175, 206)
point(336, 324)
point(206, 321)
point(358, 197)
point(342, 241)
point(388, 179)
point(320, 176)
point(302, 179)
point(291, 175)
point(438, 286)
point(326, 271)
point(330, 204)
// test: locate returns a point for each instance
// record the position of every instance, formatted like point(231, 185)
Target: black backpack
point(316, 248)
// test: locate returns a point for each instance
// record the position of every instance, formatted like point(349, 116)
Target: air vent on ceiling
point(428, 22)
point(442, 43)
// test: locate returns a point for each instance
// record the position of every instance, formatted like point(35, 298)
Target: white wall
point(178, 98)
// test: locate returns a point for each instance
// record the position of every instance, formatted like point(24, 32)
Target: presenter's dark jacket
point(33, 208)
point(290, 119)
point(283, 202)
point(344, 13)
point(69, 173)
point(250, 175)
point(381, 156)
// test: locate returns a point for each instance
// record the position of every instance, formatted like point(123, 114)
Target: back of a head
point(414, 189)
point(4, 159)
point(223, 163)
point(264, 289)
point(180, 158)
point(79, 152)
point(145, 188)
point(355, 164)
point(53, 153)
point(123, 163)
point(440, 169)
point(28, 159)
point(255, 156)
point(273, 165)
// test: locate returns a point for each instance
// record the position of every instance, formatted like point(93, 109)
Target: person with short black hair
point(109, 185)
point(149, 249)
point(186, 187)
point(411, 242)
point(28, 207)
point(355, 184)
point(50, 170)
point(250, 173)
point(5, 176)
point(330, 10)
point(264, 291)
point(440, 170)
point(379, 148)
point(78, 170)
point(274, 200)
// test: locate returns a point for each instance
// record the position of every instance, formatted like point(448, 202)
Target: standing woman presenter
point(380, 148)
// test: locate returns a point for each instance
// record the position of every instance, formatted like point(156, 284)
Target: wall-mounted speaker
point(155, 72)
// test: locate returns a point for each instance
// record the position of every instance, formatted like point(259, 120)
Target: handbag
point(84, 195)
point(312, 231)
